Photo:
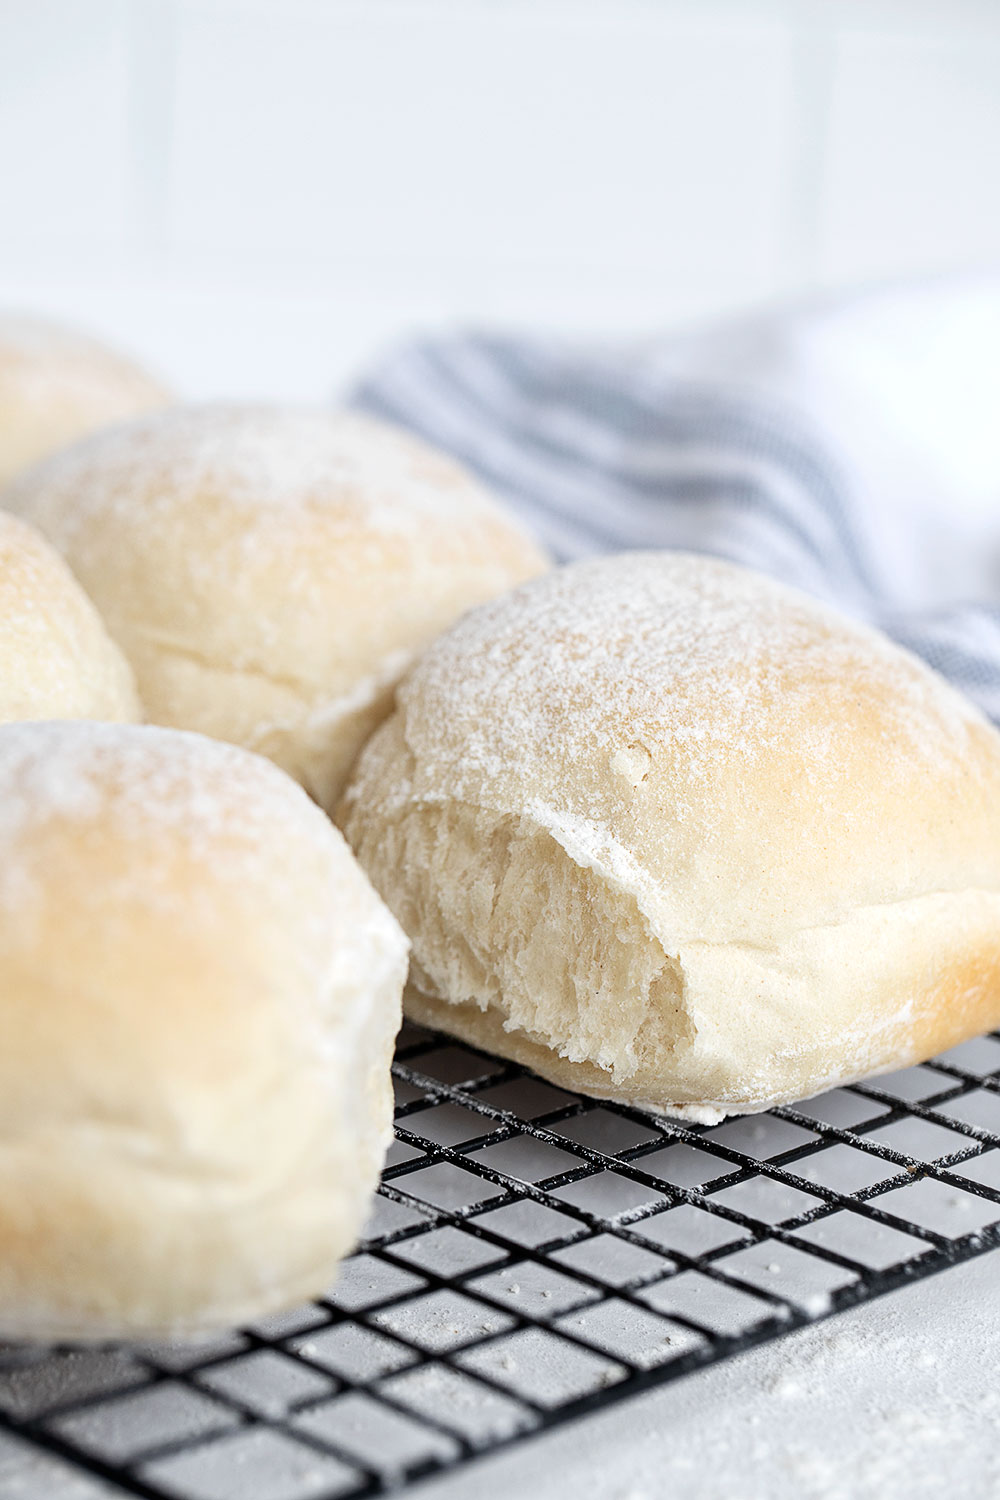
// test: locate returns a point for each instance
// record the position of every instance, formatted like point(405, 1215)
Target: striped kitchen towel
point(850, 448)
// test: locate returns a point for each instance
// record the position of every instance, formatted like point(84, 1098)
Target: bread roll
point(673, 834)
point(56, 658)
point(199, 992)
point(56, 385)
point(270, 573)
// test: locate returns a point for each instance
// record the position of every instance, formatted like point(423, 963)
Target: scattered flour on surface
point(895, 1400)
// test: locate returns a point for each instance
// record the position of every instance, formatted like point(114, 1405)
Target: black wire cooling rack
point(533, 1256)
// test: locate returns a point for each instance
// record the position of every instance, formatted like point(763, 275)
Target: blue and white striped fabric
point(610, 450)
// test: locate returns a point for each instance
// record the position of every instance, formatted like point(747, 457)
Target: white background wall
point(255, 194)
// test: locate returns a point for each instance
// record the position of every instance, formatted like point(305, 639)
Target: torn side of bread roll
point(199, 993)
point(671, 833)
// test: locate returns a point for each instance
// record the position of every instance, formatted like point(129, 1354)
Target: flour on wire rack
point(894, 1400)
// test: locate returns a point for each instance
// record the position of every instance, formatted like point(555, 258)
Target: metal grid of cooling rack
point(534, 1255)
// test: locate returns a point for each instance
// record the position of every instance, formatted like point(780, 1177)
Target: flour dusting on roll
point(199, 993)
point(271, 572)
point(57, 661)
point(671, 833)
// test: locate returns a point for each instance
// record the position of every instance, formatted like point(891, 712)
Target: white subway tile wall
point(255, 195)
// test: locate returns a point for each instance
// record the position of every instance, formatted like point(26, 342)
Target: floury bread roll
point(670, 833)
point(56, 658)
point(270, 573)
point(199, 992)
point(56, 385)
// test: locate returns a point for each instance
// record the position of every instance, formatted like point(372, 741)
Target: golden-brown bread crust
point(199, 993)
point(271, 572)
point(659, 823)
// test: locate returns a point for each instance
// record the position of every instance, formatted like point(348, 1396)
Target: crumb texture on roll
point(56, 385)
point(57, 661)
point(270, 573)
point(199, 993)
point(669, 832)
